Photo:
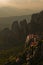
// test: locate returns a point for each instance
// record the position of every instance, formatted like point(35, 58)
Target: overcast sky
point(22, 4)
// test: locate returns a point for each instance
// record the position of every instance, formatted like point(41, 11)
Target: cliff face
point(16, 35)
point(37, 22)
point(24, 29)
point(6, 22)
point(19, 31)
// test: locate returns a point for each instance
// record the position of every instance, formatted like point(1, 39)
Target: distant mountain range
point(13, 11)
point(6, 22)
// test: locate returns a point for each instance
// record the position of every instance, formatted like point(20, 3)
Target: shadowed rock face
point(29, 27)
point(18, 32)
point(24, 29)
point(16, 35)
point(15, 26)
point(37, 22)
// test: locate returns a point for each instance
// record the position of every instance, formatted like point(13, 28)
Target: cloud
point(24, 4)
point(35, 0)
point(20, 7)
point(3, 3)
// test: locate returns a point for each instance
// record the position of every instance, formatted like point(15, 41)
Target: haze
point(19, 7)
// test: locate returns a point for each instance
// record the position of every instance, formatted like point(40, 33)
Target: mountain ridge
point(7, 21)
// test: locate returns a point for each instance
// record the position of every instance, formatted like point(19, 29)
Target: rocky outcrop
point(18, 32)
point(24, 29)
point(37, 23)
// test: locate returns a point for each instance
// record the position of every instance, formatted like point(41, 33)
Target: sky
point(33, 5)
